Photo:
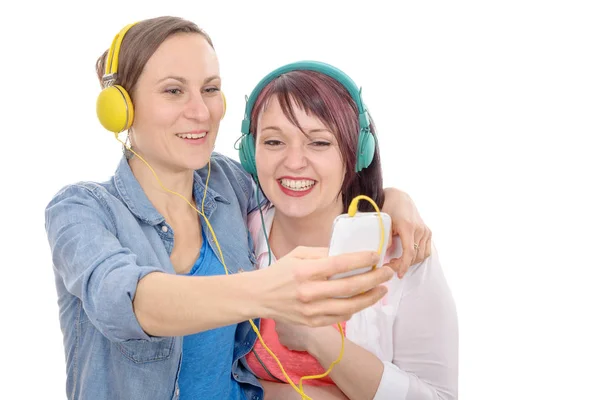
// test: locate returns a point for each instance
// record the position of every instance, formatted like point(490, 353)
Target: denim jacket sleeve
point(92, 263)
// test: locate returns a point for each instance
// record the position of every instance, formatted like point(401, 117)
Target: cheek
point(156, 113)
point(216, 107)
point(263, 168)
point(266, 165)
point(333, 167)
point(332, 171)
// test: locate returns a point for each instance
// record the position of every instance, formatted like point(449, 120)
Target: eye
point(272, 142)
point(320, 143)
point(173, 91)
point(212, 90)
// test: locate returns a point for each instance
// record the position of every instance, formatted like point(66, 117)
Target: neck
point(314, 230)
point(166, 203)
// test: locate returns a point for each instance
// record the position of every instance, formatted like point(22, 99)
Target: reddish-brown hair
point(323, 97)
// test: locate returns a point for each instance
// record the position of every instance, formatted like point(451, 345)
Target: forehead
point(183, 54)
point(274, 115)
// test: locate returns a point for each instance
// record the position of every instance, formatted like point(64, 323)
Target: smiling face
point(178, 104)
point(306, 127)
point(300, 167)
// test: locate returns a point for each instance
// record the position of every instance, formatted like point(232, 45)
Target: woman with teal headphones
point(310, 144)
point(142, 261)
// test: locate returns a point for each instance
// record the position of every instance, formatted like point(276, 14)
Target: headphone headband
point(366, 139)
point(317, 66)
point(112, 58)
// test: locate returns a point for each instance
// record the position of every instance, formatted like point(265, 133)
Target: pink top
point(296, 363)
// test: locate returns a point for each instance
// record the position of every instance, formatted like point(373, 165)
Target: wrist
point(250, 293)
point(323, 343)
point(257, 294)
point(395, 201)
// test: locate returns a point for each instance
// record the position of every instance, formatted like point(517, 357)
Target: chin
point(291, 210)
point(197, 161)
point(189, 165)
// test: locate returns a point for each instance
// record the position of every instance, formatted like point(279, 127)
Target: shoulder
point(223, 165)
point(225, 168)
point(79, 190)
point(228, 177)
point(74, 200)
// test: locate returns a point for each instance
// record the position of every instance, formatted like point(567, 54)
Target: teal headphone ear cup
point(366, 149)
point(247, 151)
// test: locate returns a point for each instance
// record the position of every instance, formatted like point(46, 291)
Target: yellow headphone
point(114, 107)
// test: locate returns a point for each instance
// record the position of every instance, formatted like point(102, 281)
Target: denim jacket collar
point(135, 198)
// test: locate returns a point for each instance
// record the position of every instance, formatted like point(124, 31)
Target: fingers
point(330, 311)
point(420, 240)
point(309, 253)
point(394, 264)
point(345, 287)
point(422, 250)
point(428, 243)
point(409, 253)
point(314, 300)
point(332, 265)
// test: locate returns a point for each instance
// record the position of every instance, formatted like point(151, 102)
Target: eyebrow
point(184, 81)
point(319, 130)
point(308, 134)
point(274, 128)
point(316, 130)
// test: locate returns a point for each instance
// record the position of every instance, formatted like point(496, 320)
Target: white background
point(488, 116)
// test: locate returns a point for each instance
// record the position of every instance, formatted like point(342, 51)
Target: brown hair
point(328, 100)
point(140, 42)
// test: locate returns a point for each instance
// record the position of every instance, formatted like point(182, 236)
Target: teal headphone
point(366, 140)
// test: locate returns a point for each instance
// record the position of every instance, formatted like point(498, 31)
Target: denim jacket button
point(164, 228)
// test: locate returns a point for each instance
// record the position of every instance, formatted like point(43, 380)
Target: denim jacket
point(104, 238)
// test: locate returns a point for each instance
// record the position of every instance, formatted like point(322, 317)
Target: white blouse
point(413, 330)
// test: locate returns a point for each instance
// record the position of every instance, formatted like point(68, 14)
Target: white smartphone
point(362, 232)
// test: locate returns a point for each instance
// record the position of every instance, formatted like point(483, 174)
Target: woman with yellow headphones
point(147, 308)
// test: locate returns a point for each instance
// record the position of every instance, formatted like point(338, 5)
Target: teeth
point(191, 135)
point(297, 184)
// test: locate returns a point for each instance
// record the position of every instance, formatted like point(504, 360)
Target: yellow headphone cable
point(352, 210)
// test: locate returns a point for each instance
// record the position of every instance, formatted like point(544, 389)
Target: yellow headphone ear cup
point(115, 109)
point(224, 104)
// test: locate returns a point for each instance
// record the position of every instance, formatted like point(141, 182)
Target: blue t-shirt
point(208, 356)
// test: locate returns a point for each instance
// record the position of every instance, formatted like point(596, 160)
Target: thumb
point(309, 253)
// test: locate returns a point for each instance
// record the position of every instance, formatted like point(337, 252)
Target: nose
point(295, 159)
point(196, 108)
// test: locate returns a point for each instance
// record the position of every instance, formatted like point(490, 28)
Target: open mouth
point(191, 135)
point(297, 185)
